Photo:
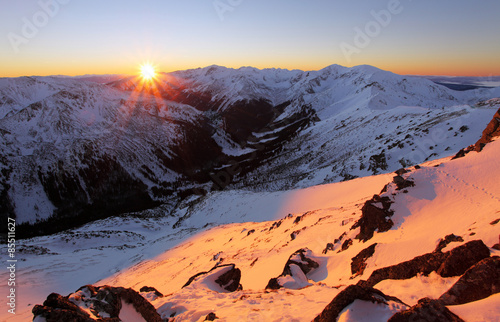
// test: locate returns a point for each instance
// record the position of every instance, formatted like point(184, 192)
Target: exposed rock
point(358, 263)
point(300, 258)
point(58, 308)
point(105, 303)
point(146, 289)
point(229, 281)
point(494, 222)
point(211, 317)
point(463, 152)
point(478, 282)
point(375, 213)
point(492, 130)
point(377, 162)
point(401, 171)
point(452, 263)
point(462, 257)
point(447, 240)
point(402, 183)
point(349, 295)
point(346, 244)
point(329, 247)
point(427, 310)
point(273, 284)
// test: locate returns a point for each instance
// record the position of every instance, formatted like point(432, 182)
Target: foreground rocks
point(479, 282)
point(452, 263)
point(426, 310)
point(228, 281)
point(375, 217)
point(348, 296)
point(104, 302)
point(298, 265)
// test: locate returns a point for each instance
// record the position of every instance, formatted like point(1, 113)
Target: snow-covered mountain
point(76, 150)
point(419, 244)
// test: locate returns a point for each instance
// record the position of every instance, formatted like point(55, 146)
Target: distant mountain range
point(76, 149)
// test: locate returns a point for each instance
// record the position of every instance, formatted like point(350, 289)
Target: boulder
point(211, 317)
point(358, 263)
point(478, 282)
point(452, 263)
point(348, 296)
point(462, 257)
point(228, 281)
point(402, 183)
point(427, 310)
point(147, 289)
point(301, 259)
point(447, 240)
point(374, 216)
point(105, 303)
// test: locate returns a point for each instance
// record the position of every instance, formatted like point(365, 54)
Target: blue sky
point(453, 37)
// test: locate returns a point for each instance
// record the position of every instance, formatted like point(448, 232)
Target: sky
point(77, 37)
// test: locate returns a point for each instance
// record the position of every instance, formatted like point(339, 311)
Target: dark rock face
point(329, 247)
point(452, 263)
point(109, 190)
point(374, 218)
point(426, 310)
point(447, 240)
point(298, 258)
point(479, 282)
point(402, 183)
point(346, 244)
point(211, 317)
point(349, 295)
point(377, 162)
point(462, 257)
point(104, 299)
point(147, 289)
point(230, 281)
point(492, 130)
point(358, 263)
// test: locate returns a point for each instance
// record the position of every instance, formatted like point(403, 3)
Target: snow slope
point(459, 196)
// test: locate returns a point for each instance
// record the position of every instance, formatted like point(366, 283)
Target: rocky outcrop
point(426, 310)
point(358, 263)
point(452, 263)
point(479, 282)
point(447, 240)
point(375, 217)
point(348, 296)
point(228, 281)
point(301, 259)
point(402, 183)
point(461, 258)
point(104, 302)
point(492, 130)
point(147, 289)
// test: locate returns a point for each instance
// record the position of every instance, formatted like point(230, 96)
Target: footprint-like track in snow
point(460, 180)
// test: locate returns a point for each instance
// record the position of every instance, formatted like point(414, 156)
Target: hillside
point(76, 150)
point(429, 232)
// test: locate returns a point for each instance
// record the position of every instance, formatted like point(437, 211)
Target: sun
point(148, 71)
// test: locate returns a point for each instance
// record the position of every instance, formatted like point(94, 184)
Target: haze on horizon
point(74, 37)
